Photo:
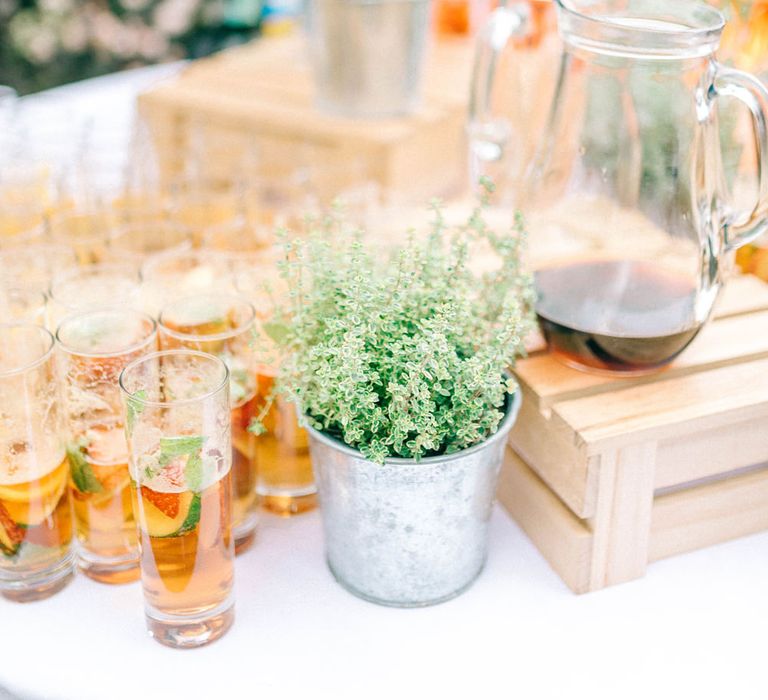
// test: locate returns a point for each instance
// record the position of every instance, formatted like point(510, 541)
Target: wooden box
point(264, 91)
point(606, 475)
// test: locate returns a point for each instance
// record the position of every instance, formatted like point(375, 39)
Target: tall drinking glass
point(35, 518)
point(94, 347)
point(285, 480)
point(223, 326)
point(177, 422)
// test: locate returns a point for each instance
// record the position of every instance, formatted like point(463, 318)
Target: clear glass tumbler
point(93, 287)
point(94, 347)
point(177, 422)
point(36, 558)
point(224, 326)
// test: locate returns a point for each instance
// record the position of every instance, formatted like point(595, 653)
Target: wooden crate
point(606, 475)
point(264, 91)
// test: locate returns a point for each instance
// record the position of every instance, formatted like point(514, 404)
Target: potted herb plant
point(398, 366)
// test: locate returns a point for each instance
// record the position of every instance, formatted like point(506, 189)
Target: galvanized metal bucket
point(367, 54)
point(408, 533)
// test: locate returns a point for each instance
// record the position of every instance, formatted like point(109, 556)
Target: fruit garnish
point(167, 503)
point(82, 473)
point(158, 523)
point(31, 503)
point(11, 535)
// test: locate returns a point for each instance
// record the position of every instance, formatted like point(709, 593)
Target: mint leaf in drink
point(193, 473)
point(134, 407)
point(193, 517)
point(179, 446)
point(82, 472)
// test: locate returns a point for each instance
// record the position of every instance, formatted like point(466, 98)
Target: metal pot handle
point(742, 86)
point(488, 131)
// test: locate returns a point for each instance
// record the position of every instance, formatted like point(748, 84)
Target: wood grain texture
point(709, 514)
point(562, 538)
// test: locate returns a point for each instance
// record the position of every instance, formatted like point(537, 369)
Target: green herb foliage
point(82, 472)
point(403, 356)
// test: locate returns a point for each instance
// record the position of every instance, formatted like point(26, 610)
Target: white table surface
point(694, 627)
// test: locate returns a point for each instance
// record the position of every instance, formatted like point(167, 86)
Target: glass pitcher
point(627, 201)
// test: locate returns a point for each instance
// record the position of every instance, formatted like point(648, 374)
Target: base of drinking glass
point(41, 585)
point(112, 571)
point(287, 506)
point(190, 631)
point(245, 533)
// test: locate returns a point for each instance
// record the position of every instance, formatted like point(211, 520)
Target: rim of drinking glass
point(42, 359)
point(164, 353)
point(152, 335)
point(71, 273)
point(202, 337)
point(56, 249)
point(20, 239)
point(13, 293)
point(690, 35)
point(203, 255)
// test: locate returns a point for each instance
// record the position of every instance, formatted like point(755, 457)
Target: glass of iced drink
point(36, 558)
point(223, 325)
point(177, 423)
point(94, 347)
point(175, 274)
point(285, 480)
point(94, 287)
point(85, 231)
point(137, 241)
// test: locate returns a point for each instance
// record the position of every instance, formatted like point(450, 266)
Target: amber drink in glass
point(223, 326)
point(285, 481)
point(36, 559)
point(94, 347)
point(177, 422)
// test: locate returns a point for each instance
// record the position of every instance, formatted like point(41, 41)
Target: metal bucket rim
point(513, 408)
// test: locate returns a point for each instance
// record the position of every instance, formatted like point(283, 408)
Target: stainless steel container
point(367, 54)
point(408, 533)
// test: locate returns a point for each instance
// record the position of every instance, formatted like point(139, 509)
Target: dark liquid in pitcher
point(619, 316)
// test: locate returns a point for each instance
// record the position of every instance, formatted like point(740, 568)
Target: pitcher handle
point(484, 128)
point(742, 86)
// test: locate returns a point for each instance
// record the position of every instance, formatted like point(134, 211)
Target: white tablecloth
point(694, 627)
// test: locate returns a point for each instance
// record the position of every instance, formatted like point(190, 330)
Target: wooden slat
point(561, 537)
point(709, 514)
point(555, 458)
point(706, 400)
point(621, 523)
point(685, 458)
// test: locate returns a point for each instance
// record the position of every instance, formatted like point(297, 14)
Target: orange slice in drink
point(169, 514)
point(33, 501)
point(11, 535)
